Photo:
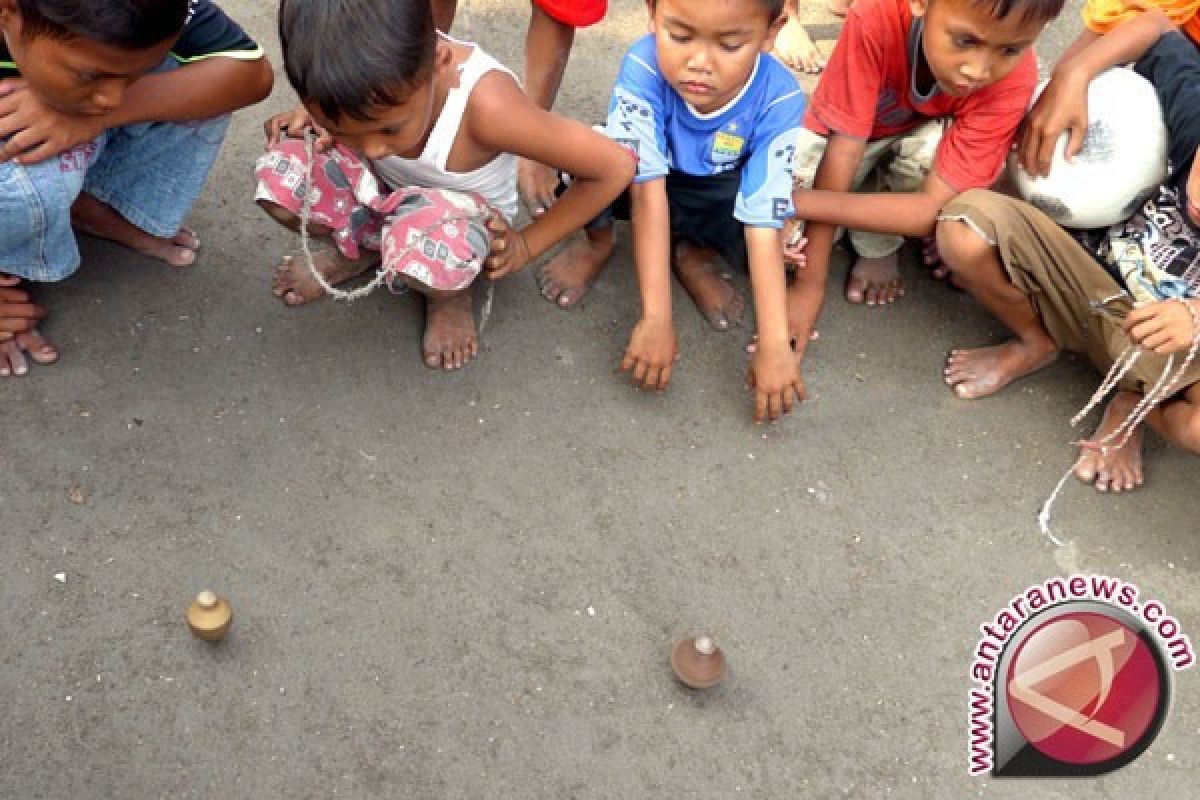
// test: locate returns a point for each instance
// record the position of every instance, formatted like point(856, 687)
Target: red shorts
point(576, 13)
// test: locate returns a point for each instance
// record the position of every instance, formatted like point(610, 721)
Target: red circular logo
point(1083, 688)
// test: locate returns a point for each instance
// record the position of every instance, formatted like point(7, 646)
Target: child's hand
point(1061, 106)
point(509, 251)
point(794, 244)
point(36, 132)
point(293, 124)
point(652, 352)
point(774, 375)
point(1165, 327)
point(793, 252)
point(17, 313)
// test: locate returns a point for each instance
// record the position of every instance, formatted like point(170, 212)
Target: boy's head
point(364, 69)
point(79, 56)
point(970, 44)
point(707, 48)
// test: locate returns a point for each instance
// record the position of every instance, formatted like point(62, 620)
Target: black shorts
point(701, 209)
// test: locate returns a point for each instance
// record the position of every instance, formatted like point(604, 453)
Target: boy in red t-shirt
point(902, 72)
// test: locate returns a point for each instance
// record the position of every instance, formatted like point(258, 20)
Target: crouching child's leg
point(1028, 272)
point(349, 230)
point(37, 245)
point(435, 241)
point(144, 184)
point(1102, 463)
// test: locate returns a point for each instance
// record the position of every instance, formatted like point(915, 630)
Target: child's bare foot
point(450, 339)
point(94, 218)
point(536, 184)
point(840, 8)
point(713, 293)
point(15, 353)
point(875, 281)
point(795, 48)
point(565, 279)
point(295, 284)
point(986, 370)
point(1116, 470)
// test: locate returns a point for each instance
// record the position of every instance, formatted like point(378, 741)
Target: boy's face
point(398, 130)
point(707, 48)
point(75, 76)
point(967, 48)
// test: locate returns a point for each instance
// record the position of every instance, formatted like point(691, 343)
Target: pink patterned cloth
point(438, 237)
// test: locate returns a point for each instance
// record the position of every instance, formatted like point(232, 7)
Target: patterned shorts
point(438, 237)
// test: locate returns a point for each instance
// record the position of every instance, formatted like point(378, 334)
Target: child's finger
point(639, 372)
point(760, 406)
point(788, 398)
point(1159, 342)
point(1140, 330)
point(664, 377)
point(1075, 142)
point(627, 362)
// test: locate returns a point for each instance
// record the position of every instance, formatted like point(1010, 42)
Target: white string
point(1162, 389)
point(306, 249)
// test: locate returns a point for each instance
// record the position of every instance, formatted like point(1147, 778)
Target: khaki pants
point(895, 164)
point(1067, 286)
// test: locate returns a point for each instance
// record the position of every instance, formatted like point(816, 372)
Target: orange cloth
point(1101, 16)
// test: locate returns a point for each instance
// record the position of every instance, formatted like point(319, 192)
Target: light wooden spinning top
point(209, 616)
point(698, 662)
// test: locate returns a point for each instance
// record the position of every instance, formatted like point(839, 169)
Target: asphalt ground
point(466, 585)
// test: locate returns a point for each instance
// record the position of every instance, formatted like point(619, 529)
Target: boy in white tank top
point(414, 163)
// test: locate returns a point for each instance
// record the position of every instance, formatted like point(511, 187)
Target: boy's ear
point(769, 43)
point(443, 54)
point(919, 7)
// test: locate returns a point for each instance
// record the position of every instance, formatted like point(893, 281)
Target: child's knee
point(959, 245)
point(37, 241)
point(289, 219)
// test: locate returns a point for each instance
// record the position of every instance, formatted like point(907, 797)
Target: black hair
point(352, 57)
point(127, 24)
point(774, 8)
point(1026, 10)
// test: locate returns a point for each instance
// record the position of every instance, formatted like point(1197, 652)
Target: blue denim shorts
point(151, 173)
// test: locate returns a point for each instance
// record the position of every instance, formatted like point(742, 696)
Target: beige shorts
point(896, 164)
point(1071, 292)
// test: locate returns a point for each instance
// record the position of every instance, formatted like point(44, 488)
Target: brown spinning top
point(698, 662)
point(209, 616)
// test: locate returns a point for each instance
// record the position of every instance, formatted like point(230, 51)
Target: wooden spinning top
point(209, 616)
point(698, 662)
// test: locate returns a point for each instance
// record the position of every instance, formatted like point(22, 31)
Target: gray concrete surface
point(465, 585)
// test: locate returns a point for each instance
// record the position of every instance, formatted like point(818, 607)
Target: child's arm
point(653, 347)
point(1062, 106)
point(773, 374)
point(202, 90)
point(500, 117)
point(898, 213)
point(835, 174)
point(206, 89)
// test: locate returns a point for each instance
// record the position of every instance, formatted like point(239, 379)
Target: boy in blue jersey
point(713, 120)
